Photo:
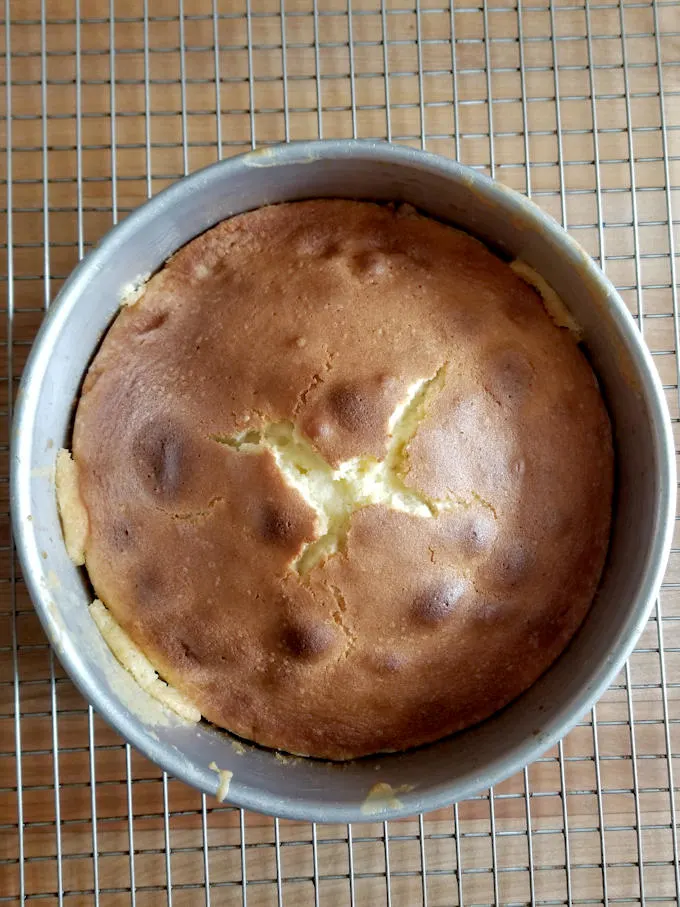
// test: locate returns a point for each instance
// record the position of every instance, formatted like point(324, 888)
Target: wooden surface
point(490, 100)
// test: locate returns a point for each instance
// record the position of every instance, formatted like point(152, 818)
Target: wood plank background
point(110, 101)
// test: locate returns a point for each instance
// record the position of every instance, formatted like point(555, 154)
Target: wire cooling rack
point(107, 101)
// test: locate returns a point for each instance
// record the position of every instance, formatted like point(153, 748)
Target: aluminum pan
point(468, 762)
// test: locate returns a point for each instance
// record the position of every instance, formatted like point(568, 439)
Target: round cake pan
point(385, 786)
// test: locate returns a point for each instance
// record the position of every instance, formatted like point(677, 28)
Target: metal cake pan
point(461, 765)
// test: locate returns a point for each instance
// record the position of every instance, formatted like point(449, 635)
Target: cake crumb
point(382, 797)
point(283, 759)
point(224, 781)
point(133, 291)
point(72, 510)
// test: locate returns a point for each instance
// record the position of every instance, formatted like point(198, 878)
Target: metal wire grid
point(108, 101)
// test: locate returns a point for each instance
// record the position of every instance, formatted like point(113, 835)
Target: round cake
point(346, 482)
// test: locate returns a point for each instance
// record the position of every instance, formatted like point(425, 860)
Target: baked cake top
point(348, 486)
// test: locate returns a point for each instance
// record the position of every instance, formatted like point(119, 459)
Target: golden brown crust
point(324, 314)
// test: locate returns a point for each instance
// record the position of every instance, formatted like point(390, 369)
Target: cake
point(341, 477)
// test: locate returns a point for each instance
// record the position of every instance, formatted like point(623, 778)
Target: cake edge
point(130, 656)
point(75, 522)
point(555, 308)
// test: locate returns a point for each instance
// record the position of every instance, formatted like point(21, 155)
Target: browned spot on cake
point(350, 407)
point(318, 428)
point(160, 453)
point(370, 264)
point(392, 662)
point(308, 640)
point(278, 525)
point(152, 322)
point(438, 602)
point(188, 652)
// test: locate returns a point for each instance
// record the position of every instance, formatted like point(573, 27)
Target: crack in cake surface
point(336, 494)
